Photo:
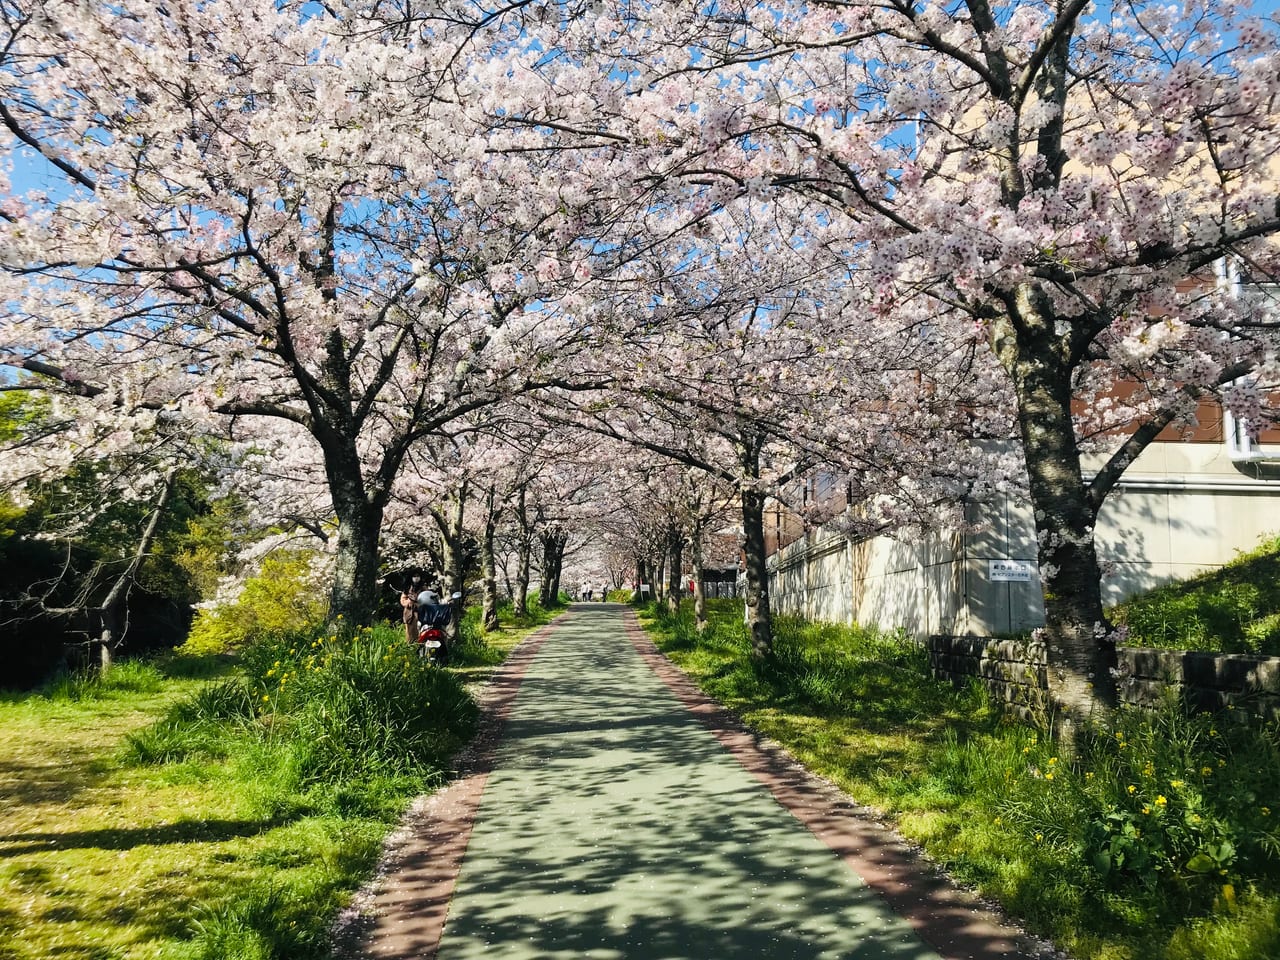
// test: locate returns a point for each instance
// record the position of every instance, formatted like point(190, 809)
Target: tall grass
point(126, 678)
point(347, 709)
point(336, 732)
point(1159, 842)
point(1235, 609)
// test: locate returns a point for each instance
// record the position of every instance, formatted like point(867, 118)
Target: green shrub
point(368, 704)
point(281, 598)
point(330, 710)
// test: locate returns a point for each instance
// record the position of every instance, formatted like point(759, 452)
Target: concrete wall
point(1182, 508)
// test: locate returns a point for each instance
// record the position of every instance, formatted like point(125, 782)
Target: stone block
point(1153, 664)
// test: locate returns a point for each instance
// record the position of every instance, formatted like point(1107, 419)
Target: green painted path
point(615, 825)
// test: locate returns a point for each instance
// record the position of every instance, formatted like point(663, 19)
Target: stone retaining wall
point(1014, 672)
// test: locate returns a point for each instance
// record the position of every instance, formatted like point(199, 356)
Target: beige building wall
point(1182, 508)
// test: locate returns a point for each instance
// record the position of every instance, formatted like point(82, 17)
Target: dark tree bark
point(759, 618)
point(524, 551)
point(453, 548)
point(553, 544)
point(699, 593)
point(675, 562)
point(489, 613)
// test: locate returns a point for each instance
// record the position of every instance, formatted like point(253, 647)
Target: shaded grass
point(1112, 856)
point(1235, 609)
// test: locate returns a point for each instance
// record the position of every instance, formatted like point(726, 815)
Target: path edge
point(950, 918)
point(400, 912)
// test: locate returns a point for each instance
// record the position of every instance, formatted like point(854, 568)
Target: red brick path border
point(952, 920)
point(403, 916)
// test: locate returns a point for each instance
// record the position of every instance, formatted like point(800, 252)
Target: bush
point(358, 707)
point(282, 598)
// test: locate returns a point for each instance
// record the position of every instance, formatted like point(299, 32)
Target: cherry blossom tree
point(1054, 181)
point(752, 365)
point(269, 216)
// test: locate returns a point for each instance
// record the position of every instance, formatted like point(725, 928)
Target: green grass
point(199, 808)
point(1235, 609)
point(1159, 843)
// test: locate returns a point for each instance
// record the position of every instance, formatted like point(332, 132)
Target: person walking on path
point(622, 815)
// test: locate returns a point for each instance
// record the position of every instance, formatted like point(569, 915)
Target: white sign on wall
point(1012, 571)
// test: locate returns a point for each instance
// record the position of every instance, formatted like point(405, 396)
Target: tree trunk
point(489, 614)
point(1078, 642)
point(113, 609)
point(455, 573)
point(550, 589)
point(106, 650)
point(559, 541)
point(355, 568)
point(699, 594)
point(524, 548)
point(759, 619)
point(675, 563)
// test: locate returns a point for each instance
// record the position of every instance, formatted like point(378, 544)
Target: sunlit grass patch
point(1234, 609)
point(221, 818)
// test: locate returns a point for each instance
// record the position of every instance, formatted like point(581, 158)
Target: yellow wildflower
point(1132, 789)
point(1161, 800)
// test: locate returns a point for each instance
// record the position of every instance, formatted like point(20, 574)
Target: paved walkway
point(622, 816)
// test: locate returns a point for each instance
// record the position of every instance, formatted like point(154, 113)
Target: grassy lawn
point(1159, 844)
point(136, 825)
